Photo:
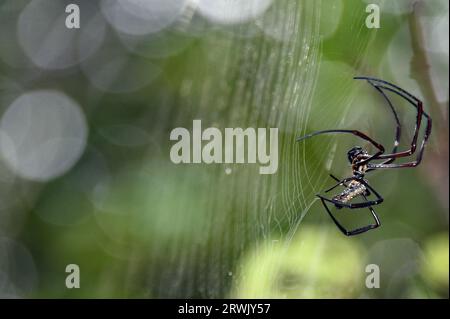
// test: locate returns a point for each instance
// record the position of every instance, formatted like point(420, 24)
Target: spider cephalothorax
point(356, 154)
point(356, 186)
point(357, 157)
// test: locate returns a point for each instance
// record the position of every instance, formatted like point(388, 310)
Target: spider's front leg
point(382, 87)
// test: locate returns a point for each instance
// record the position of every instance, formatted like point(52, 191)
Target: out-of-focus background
point(85, 173)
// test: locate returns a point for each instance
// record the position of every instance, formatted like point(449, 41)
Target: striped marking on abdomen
point(354, 189)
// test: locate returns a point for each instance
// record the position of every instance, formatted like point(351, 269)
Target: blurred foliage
point(141, 226)
point(297, 269)
point(435, 263)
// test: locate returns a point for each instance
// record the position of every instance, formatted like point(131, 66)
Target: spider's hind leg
point(341, 228)
point(338, 206)
point(356, 231)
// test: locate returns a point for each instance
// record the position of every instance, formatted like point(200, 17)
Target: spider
point(361, 161)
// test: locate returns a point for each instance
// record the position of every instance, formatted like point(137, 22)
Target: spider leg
point(409, 152)
point(379, 199)
point(357, 230)
point(381, 85)
point(368, 227)
point(369, 190)
point(398, 128)
point(341, 228)
point(386, 83)
point(339, 183)
point(402, 165)
point(340, 204)
point(335, 178)
point(413, 147)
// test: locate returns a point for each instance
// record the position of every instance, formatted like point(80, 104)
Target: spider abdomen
point(353, 190)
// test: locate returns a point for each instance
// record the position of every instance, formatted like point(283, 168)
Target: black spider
point(361, 160)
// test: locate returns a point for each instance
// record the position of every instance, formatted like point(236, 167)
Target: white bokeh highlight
point(48, 43)
point(113, 70)
point(232, 11)
point(43, 134)
point(436, 29)
point(158, 45)
point(400, 53)
point(278, 23)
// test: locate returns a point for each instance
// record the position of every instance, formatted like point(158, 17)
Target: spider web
point(259, 82)
point(157, 229)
